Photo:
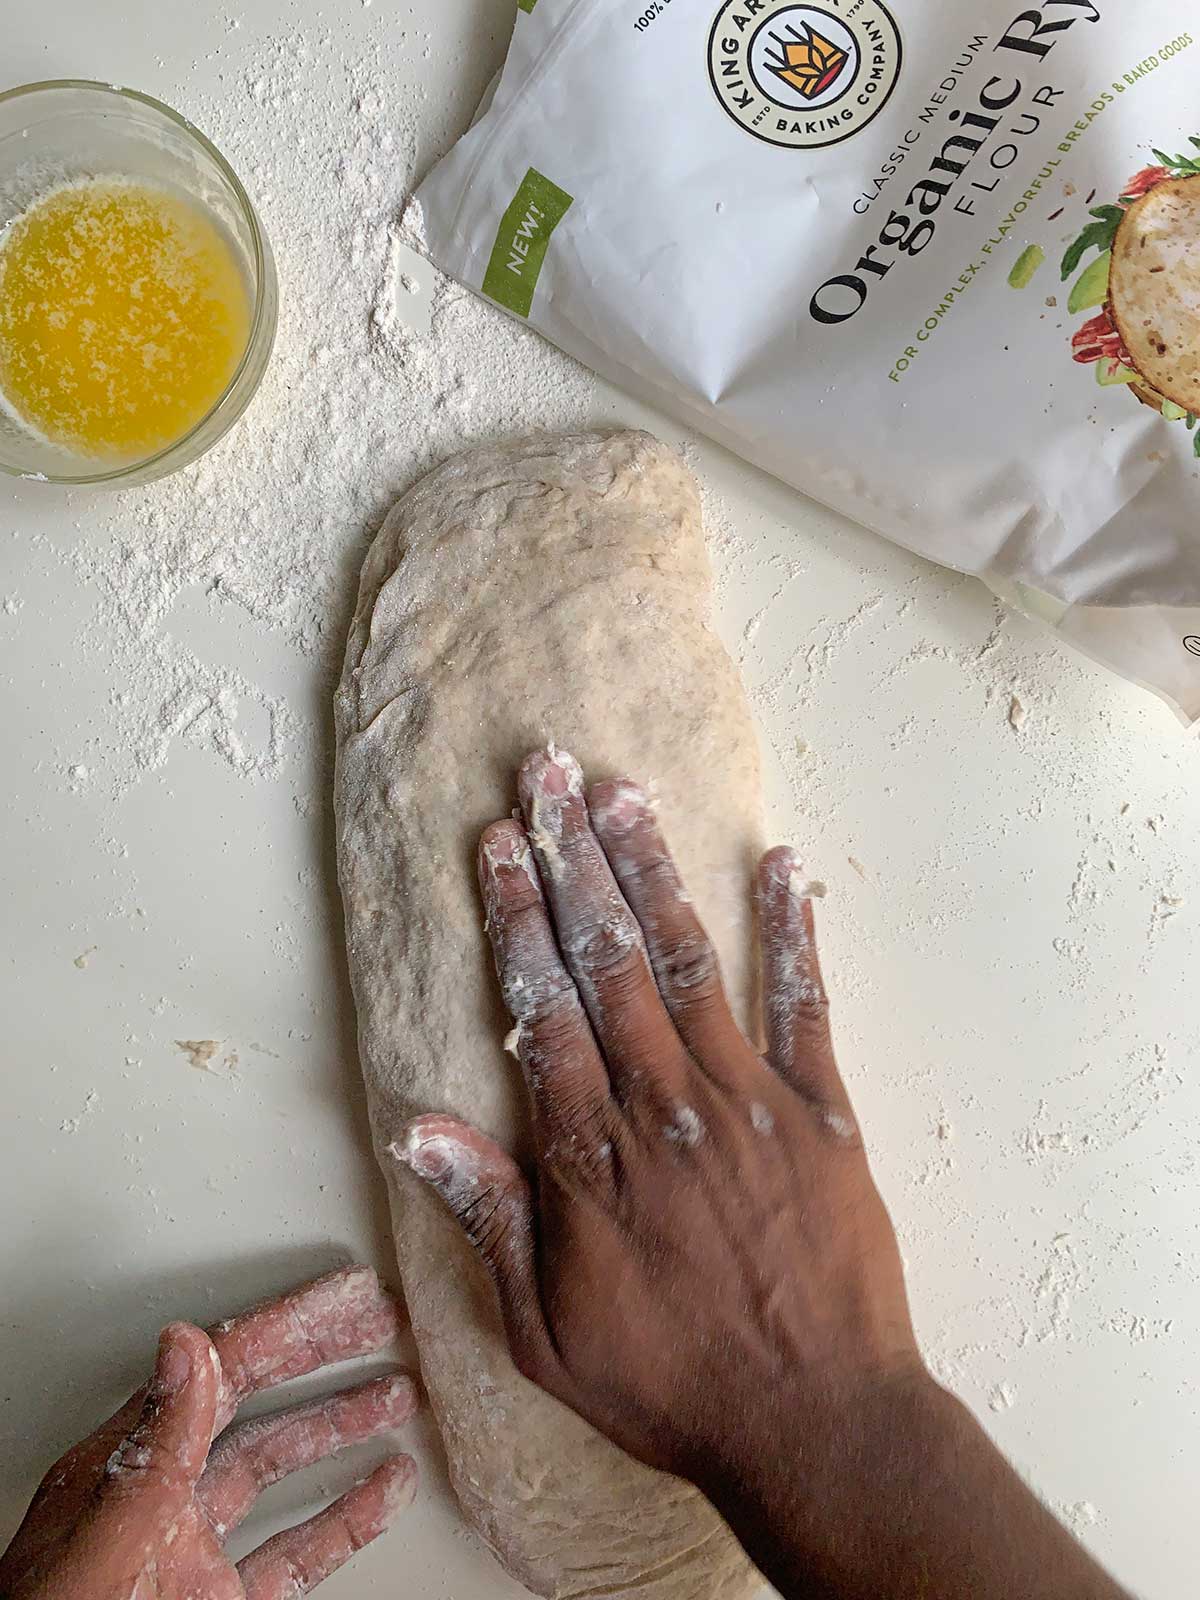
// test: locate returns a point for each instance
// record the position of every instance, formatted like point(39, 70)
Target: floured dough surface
point(551, 589)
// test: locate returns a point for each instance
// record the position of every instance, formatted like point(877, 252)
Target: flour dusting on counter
point(1009, 939)
point(204, 580)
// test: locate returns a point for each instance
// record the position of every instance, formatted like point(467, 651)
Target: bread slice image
point(1154, 289)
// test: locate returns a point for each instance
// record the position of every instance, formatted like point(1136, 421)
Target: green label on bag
point(523, 240)
point(526, 5)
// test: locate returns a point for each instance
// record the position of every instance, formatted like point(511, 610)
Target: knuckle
point(654, 873)
point(234, 1445)
point(543, 999)
point(813, 1007)
point(130, 1461)
point(295, 1575)
point(258, 1445)
point(510, 883)
point(141, 1459)
point(795, 984)
point(689, 967)
point(486, 1216)
point(584, 1140)
point(513, 896)
point(513, 906)
point(607, 947)
point(555, 1031)
point(799, 1010)
point(839, 1126)
point(360, 1532)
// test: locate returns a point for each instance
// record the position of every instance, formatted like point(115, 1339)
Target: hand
point(707, 1273)
point(141, 1509)
point(706, 1223)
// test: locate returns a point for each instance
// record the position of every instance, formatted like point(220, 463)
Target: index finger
point(345, 1314)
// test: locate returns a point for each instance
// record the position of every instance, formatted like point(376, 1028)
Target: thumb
point(149, 1479)
point(490, 1198)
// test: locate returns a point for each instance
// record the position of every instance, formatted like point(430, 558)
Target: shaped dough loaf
point(548, 589)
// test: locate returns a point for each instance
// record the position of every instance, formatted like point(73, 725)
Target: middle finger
point(252, 1456)
point(600, 938)
point(564, 1070)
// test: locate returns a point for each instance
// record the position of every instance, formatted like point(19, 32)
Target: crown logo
point(807, 61)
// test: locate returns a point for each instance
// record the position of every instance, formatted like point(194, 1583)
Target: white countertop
point(1012, 920)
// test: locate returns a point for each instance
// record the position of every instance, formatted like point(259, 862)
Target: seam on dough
point(649, 1575)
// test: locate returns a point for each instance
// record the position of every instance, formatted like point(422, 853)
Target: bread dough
point(552, 589)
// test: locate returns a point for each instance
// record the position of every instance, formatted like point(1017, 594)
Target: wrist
point(819, 1443)
point(891, 1487)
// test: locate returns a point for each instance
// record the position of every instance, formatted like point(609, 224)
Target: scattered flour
point(1002, 1398)
point(1079, 1515)
point(271, 526)
point(73, 1124)
point(199, 586)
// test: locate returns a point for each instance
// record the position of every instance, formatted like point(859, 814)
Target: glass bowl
point(70, 130)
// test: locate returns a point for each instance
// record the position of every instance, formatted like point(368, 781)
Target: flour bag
point(936, 265)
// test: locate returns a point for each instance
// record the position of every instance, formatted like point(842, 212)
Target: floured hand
point(706, 1222)
point(704, 1269)
point(141, 1509)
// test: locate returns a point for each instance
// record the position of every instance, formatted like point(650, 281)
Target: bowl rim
point(262, 270)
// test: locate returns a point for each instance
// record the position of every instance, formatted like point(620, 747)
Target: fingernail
point(401, 1489)
point(555, 773)
point(427, 1154)
point(402, 1396)
point(787, 870)
point(552, 779)
point(621, 808)
point(506, 849)
point(782, 864)
point(174, 1366)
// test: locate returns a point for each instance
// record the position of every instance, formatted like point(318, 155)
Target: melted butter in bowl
point(124, 313)
point(138, 295)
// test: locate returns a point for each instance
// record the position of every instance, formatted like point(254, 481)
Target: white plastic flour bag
point(935, 264)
